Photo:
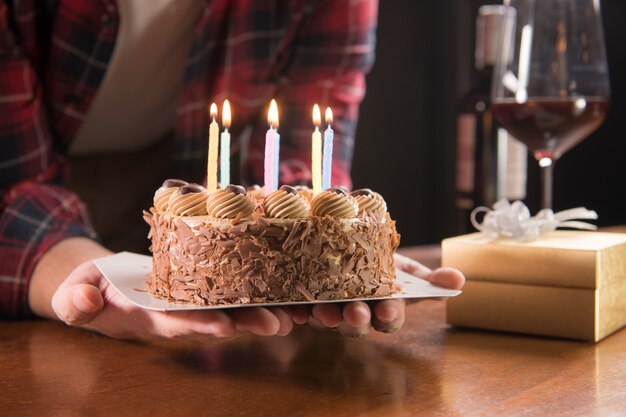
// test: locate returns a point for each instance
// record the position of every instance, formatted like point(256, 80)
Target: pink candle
point(316, 152)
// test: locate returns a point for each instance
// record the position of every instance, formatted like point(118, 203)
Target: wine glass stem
point(546, 183)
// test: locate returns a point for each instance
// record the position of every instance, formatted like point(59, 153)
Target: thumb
point(447, 278)
point(77, 304)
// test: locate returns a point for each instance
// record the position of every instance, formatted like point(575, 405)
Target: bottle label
point(465, 148)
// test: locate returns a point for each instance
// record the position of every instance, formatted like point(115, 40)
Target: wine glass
point(551, 85)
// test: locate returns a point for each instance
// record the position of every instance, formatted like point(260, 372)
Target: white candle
point(327, 162)
point(316, 152)
point(225, 146)
point(214, 132)
point(272, 150)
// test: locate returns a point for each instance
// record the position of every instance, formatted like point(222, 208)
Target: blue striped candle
point(327, 158)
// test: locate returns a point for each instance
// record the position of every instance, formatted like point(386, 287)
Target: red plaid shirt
point(53, 56)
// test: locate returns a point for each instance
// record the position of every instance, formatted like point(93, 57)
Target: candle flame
point(272, 115)
point(329, 115)
point(317, 116)
point(226, 114)
point(213, 111)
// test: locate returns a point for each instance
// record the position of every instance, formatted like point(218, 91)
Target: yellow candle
point(214, 131)
point(316, 151)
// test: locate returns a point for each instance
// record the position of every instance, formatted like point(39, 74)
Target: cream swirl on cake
point(305, 192)
point(369, 201)
point(286, 203)
point(229, 203)
point(335, 202)
point(163, 194)
point(188, 200)
point(256, 192)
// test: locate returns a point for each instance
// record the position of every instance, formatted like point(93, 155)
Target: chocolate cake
point(230, 247)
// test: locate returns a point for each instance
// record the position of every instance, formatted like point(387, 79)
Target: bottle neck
point(485, 73)
point(483, 77)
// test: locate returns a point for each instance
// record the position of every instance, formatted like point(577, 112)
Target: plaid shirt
point(53, 56)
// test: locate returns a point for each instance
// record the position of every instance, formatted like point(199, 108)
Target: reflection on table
point(425, 369)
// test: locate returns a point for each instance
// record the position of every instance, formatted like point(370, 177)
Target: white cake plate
point(127, 273)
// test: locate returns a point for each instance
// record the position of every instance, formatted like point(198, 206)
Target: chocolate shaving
point(236, 219)
point(304, 291)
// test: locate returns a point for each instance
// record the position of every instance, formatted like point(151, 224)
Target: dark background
point(406, 137)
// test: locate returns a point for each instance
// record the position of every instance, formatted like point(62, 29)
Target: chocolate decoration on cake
point(335, 202)
point(191, 188)
point(236, 189)
point(338, 190)
point(173, 182)
point(283, 252)
point(289, 189)
point(362, 191)
point(286, 203)
point(212, 262)
point(229, 203)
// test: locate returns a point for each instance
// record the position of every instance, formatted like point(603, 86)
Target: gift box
point(569, 284)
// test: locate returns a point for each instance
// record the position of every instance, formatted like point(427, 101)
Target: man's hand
point(83, 297)
point(356, 319)
point(87, 299)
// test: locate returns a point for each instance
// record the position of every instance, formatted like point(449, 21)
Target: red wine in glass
point(551, 85)
point(551, 126)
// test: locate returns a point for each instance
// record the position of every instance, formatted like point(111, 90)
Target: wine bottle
point(490, 164)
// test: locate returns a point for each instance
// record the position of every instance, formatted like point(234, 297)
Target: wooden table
point(427, 368)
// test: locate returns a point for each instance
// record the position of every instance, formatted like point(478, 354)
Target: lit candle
point(225, 146)
point(327, 164)
point(214, 131)
point(316, 151)
point(272, 150)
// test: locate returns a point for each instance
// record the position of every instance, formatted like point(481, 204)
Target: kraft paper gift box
point(569, 284)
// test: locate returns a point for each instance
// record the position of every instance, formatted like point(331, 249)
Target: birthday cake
point(234, 246)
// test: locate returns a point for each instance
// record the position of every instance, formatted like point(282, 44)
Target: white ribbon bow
point(514, 220)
